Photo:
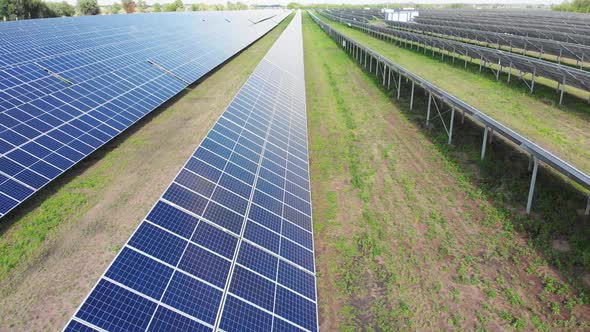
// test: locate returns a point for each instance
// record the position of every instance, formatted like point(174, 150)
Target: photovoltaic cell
point(229, 245)
point(69, 85)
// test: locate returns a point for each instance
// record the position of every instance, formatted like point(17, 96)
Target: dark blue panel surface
point(158, 243)
point(205, 265)
point(193, 297)
point(240, 316)
point(140, 272)
point(168, 320)
point(113, 308)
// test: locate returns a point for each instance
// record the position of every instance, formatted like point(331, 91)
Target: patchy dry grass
point(414, 235)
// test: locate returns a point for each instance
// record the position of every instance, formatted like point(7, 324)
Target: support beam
point(533, 80)
point(399, 84)
point(389, 80)
point(587, 212)
point(451, 126)
point(428, 112)
point(484, 144)
point(562, 91)
point(412, 97)
point(532, 187)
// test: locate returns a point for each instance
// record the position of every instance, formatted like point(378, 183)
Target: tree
point(179, 5)
point(26, 9)
point(128, 6)
point(88, 7)
point(157, 8)
point(582, 6)
point(294, 5)
point(59, 9)
point(174, 6)
point(142, 6)
point(115, 8)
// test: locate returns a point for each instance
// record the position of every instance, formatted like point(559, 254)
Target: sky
point(284, 2)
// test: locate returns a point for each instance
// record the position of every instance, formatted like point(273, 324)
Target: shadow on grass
point(504, 179)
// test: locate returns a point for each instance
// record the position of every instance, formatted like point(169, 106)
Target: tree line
point(29, 9)
point(580, 6)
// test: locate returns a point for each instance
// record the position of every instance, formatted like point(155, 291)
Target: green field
point(562, 130)
point(412, 235)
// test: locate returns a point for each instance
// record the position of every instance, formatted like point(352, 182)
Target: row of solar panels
point(558, 48)
point(526, 65)
point(575, 24)
point(229, 245)
point(545, 46)
point(69, 85)
point(525, 31)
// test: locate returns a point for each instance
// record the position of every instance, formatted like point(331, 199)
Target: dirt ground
point(116, 188)
point(405, 240)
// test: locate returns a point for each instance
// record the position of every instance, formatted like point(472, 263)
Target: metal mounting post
point(484, 144)
point(532, 187)
point(428, 113)
point(399, 84)
point(533, 80)
point(389, 80)
point(562, 90)
point(587, 212)
point(412, 97)
point(463, 117)
point(451, 126)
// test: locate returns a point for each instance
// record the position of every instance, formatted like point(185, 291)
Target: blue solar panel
point(229, 245)
point(69, 85)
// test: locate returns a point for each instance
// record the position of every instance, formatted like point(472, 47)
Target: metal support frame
point(533, 80)
point(587, 211)
point(399, 84)
point(562, 91)
point(532, 187)
point(428, 112)
point(484, 144)
point(451, 126)
point(412, 97)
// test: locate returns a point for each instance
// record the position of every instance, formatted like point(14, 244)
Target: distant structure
point(400, 15)
point(275, 6)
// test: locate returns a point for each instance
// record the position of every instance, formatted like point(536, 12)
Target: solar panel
point(229, 245)
point(69, 85)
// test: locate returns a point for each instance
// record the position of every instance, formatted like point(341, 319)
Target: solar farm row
point(574, 24)
point(527, 31)
point(574, 50)
point(229, 245)
point(578, 52)
point(69, 85)
point(564, 75)
point(513, 29)
point(383, 67)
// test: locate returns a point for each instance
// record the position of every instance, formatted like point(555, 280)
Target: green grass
point(561, 129)
point(417, 235)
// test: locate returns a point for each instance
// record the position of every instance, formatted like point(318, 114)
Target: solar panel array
point(229, 245)
point(565, 75)
point(69, 85)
